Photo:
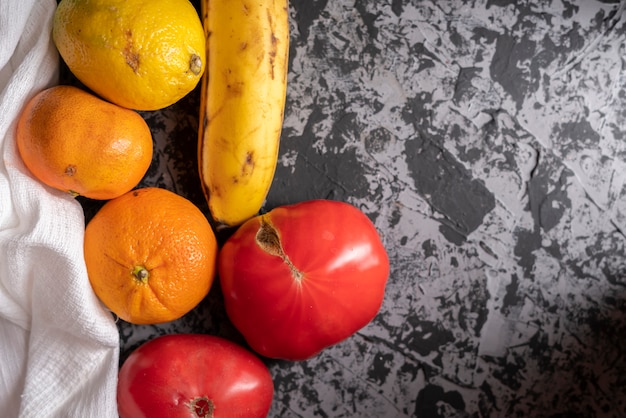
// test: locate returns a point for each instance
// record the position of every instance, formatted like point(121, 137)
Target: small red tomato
point(193, 375)
point(303, 277)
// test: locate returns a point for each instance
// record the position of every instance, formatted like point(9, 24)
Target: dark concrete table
point(486, 140)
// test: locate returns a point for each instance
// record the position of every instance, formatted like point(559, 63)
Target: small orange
point(76, 142)
point(150, 255)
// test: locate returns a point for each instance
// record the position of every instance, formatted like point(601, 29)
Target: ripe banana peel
point(243, 95)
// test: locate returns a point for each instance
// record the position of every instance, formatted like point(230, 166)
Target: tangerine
point(150, 255)
point(74, 141)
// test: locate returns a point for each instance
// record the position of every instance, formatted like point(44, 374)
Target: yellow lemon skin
point(139, 54)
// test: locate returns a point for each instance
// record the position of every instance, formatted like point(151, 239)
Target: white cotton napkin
point(59, 347)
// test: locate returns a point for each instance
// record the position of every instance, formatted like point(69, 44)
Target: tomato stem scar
point(202, 407)
point(268, 239)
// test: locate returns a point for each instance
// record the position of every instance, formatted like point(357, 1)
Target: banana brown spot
point(248, 164)
point(215, 191)
point(274, 44)
point(235, 89)
point(246, 168)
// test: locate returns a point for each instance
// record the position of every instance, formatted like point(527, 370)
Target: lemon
point(139, 54)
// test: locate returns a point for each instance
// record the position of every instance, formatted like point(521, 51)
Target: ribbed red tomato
point(303, 277)
point(191, 376)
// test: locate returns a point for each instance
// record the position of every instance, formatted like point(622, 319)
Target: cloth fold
point(59, 348)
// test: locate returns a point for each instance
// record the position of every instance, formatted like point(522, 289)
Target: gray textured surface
point(485, 139)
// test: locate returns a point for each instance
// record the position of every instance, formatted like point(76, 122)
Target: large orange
point(76, 142)
point(150, 255)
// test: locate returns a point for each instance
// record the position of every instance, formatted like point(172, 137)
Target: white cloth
point(59, 347)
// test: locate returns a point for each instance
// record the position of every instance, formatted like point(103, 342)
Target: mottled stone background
point(485, 140)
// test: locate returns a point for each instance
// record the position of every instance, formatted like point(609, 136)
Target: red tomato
point(193, 375)
point(303, 277)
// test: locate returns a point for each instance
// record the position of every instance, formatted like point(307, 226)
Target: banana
point(243, 93)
